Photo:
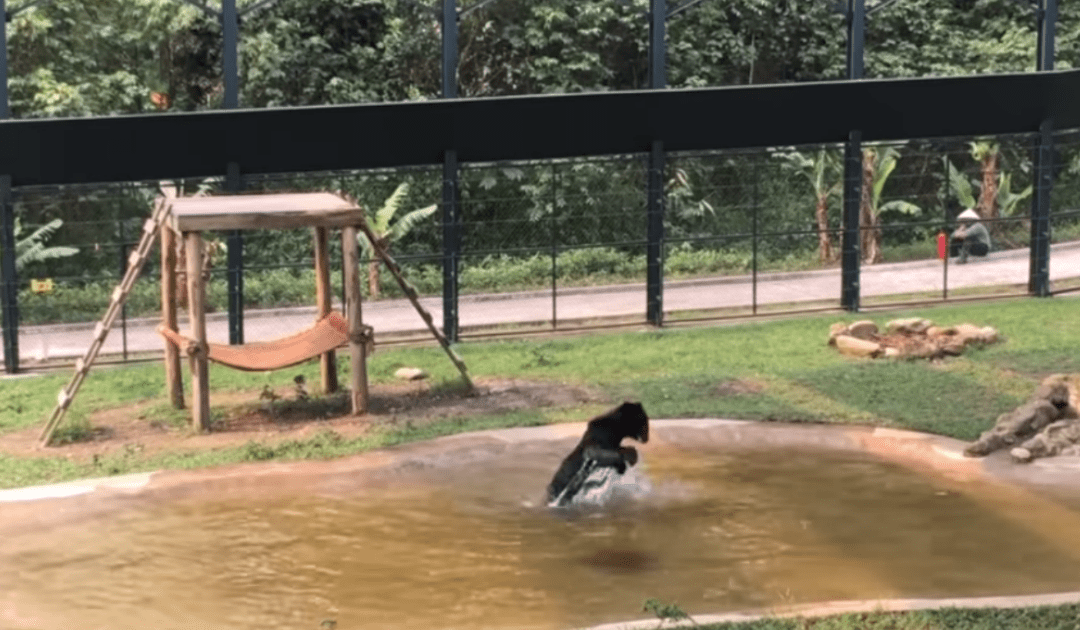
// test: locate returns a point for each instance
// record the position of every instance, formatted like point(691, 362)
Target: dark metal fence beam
point(449, 49)
point(654, 248)
point(451, 192)
point(850, 252)
point(9, 294)
point(235, 263)
point(1046, 17)
point(9, 291)
point(230, 28)
point(856, 35)
point(451, 217)
point(1042, 161)
point(5, 112)
point(657, 44)
point(850, 248)
point(1039, 268)
point(62, 151)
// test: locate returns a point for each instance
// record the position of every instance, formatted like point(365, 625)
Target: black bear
point(600, 447)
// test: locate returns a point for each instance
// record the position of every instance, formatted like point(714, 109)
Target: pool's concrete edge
point(131, 483)
point(909, 446)
point(825, 609)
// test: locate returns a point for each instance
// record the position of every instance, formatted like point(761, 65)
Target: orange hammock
point(327, 334)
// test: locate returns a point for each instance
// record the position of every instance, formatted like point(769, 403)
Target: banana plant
point(32, 248)
point(824, 172)
point(1005, 199)
point(389, 228)
point(878, 165)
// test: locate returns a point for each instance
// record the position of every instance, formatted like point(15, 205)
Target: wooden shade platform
point(262, 212)
point(190, 216)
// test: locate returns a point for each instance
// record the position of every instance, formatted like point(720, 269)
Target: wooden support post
point(200, 382)
point(323, 296)
point(350, 250)
point(174, 380)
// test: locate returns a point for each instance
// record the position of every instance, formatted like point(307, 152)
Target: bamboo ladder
point(119, 295)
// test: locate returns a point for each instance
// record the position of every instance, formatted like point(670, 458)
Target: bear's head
point(632, 421)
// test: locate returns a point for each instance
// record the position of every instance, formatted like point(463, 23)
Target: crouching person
point(969, 238)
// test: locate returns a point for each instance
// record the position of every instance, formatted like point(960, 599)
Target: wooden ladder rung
point(136, 260)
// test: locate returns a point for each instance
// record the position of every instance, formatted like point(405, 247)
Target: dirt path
point(247, 416)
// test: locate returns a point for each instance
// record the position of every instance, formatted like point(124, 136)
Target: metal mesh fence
point(562, 243)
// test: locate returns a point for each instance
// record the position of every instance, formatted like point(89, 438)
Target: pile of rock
point(913, 337)
point(1046, 425)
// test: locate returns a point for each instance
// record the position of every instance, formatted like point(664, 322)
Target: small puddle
point(455, 540)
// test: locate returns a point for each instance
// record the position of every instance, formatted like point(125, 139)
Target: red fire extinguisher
point(942, 245)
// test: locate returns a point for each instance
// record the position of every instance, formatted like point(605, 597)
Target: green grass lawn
point(770, 371)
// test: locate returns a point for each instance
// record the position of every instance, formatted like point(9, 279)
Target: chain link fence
point(561, 244)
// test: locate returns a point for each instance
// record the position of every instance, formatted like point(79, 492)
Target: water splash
point(600, 487)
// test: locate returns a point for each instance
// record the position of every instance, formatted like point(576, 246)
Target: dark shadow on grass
point(719, 396)
point(914, 394)
point(1034, 362)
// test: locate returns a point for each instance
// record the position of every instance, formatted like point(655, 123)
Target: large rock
point(908, 325)
point(855, 347)
point(1014, 427)
point(912, 337)
point(1057, 438)
point(863, 329)
point(837, 329)
point(1046, 425)
point(410, 374)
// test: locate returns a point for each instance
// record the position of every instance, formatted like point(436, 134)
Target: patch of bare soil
point(250, 415)
point(736, 386)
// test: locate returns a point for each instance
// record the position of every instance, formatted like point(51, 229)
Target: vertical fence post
point(9, 296)
point(451, 218)
point(1046, 17)
point(230, 28)
point(449, 48)
point(4, 111)
point(754, 235)
point(554, 246)
point(1042, 158)
point(850, 250)
point(123, 249)
point(1039, 268)
point(945, 229)
point(654, 249)
point(451, 195)
point(235, 264)
point(856, 34)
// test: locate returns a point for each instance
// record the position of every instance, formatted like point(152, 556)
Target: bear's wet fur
point(601, 444)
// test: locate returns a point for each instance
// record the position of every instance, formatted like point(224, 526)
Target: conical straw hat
point(969, 214)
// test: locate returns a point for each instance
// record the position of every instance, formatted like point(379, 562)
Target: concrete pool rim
point(936, 451)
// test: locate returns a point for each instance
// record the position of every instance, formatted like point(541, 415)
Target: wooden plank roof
point(262, 211)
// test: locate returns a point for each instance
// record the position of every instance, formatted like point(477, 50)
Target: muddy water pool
point(457, 539)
